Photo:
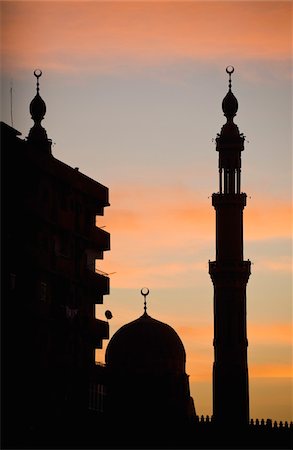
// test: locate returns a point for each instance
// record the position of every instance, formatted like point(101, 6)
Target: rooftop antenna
point(145, 292)
point(11, 112)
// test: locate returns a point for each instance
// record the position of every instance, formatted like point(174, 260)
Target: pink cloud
point(270, 333)
point(198, 344)
point(268, 219)
point(280, 264)
point(106, 36)
point(280, 370)
point(257, 333)
point(148, 223)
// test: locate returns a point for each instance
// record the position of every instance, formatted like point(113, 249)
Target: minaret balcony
point(228, 273)
point(229, 199)
point(230, 143)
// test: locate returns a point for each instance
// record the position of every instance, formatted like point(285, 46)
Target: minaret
point(37, 135)
point(229, 274)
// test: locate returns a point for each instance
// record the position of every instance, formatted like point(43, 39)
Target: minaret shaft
point(229, 226)
point(229, 274)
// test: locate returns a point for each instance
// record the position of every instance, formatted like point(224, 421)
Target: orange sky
point(105, 99)
point(36, 34)
point(182, 223)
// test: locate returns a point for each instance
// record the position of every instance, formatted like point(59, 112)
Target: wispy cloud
point(271, 370)
point(198, 338)
point(267, 219)
point(109, 36)
point(168, 233)
point(271, 333)
point(172, 207)
point(282, 264)
point(268, 333)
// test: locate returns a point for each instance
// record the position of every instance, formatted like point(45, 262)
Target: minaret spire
point(145, 292)
point(230, 103)
point(37, 135)
point(229, 274)
point(230, 70)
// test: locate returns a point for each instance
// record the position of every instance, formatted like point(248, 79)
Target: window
point(12, 281)
point(91, 256)
point(62, 244)
point(43, 291)
point(97, 393)
point(45, 194)
point(64, 202)
point(45, 243)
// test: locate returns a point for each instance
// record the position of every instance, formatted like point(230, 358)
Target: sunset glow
point(133, 93)
point(140, 33)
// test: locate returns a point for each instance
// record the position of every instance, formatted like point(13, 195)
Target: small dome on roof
point(146, 345)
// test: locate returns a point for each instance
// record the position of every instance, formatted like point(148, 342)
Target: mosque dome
point(146, 346)
point(147, 385)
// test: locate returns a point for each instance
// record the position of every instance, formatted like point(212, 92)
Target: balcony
point(98, 280)
point(99, 332)
point(100, 238)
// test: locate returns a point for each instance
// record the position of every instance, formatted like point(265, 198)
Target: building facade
point(50, 285)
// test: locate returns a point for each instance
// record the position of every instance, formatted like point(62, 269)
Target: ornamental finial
point(38, 74)
point(145, 292)
point(230, 70)
point(37, 105)
point(230, 103)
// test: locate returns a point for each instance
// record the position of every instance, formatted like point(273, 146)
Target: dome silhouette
point(230, 105)
point(37, 108)
point(146, 345)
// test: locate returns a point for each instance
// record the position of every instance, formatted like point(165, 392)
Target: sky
point(133, 93)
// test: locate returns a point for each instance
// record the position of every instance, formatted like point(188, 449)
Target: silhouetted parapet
point(269, 423)
point(204, 421)
point(257, 434)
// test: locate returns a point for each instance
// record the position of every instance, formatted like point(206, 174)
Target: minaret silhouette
point(229, 274)
point(37, 135)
